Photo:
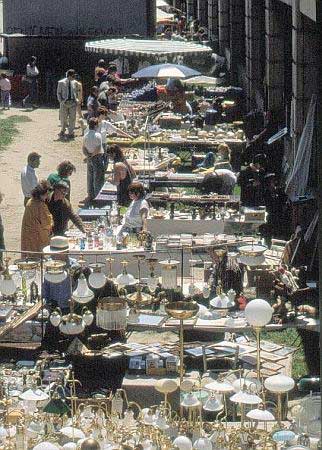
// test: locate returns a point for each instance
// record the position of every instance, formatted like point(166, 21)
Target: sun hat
point(58, 244)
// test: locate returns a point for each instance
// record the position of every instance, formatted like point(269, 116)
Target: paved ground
point(41, 135)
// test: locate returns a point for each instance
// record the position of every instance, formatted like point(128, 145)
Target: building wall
point(78, 17)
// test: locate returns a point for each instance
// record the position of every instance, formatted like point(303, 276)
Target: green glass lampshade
point(56, 406)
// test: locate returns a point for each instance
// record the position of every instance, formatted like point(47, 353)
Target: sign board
point(79, 17)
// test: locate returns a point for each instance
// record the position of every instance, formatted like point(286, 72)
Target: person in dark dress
point(122, 178)
point(251, 181)
point(275, 200)
point(92, 103)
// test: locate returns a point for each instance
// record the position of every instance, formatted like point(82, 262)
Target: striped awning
point(145, 47)
point(163, 16)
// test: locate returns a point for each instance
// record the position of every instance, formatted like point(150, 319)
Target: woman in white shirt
point(135, 219)
point(106, 128)
point(31, 83)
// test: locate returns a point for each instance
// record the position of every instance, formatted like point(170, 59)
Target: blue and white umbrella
point(166, 71)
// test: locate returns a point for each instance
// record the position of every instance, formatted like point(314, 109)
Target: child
point(5, 87)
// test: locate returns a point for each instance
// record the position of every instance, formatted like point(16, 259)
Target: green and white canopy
point(146, 47)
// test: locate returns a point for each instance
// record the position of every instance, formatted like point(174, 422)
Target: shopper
point(64, 171)
point(93, 150)
point(135, 219)
point(79, 95)
point(29, 179)
point(62, 211)
point(121, 177)
point(221, 181)
point(67, 92)
point(92, 103)
point(251, 181)
point(37, 222)
point(5, 87)
point(115, 153)
point(31, 83)
point(106, 128)
point(100, 71)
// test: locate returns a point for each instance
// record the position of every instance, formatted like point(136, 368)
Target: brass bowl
point(28, 263)
point(182, 310)
point(111, 304)
point(139, 299)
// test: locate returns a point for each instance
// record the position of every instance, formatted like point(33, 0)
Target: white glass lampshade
point(166, 386)
point(203, 443)
point(213, 403)
point(55, 318)
point(262, 415)
point(46, 446)
point(55, 277)
point(88, 317)
point(222, 387)
point(97, 279)
point(258, 312)
point(149, 418)
point(72, 433)
point(152, 283)
point(34, 395)
point(8, 286)
point(35, 429)
point(279, 384)
point(83, 294)
point(245, 398)
point(190, 401)
point(72, 327)
point(162, 423)
point(186, 385)
point(251, 384)
point(182, 443)
point(125, 279)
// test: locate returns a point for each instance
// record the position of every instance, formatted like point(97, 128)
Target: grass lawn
point(8, 129)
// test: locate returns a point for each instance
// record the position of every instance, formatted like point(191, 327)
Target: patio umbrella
point(204, 80)
point(166, 71)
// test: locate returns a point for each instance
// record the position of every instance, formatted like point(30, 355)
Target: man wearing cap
point(62, 211)
point(29, 179)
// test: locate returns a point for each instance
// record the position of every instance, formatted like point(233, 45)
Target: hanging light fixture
point(55, 317)
point(7, 286)
point(97, 278)
point(71, 323)
point(169, 273)
point(124, 278)
point(152, 281)
point(213, 404)
point(82, 294)
point(55, 271)
point(87, 316)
